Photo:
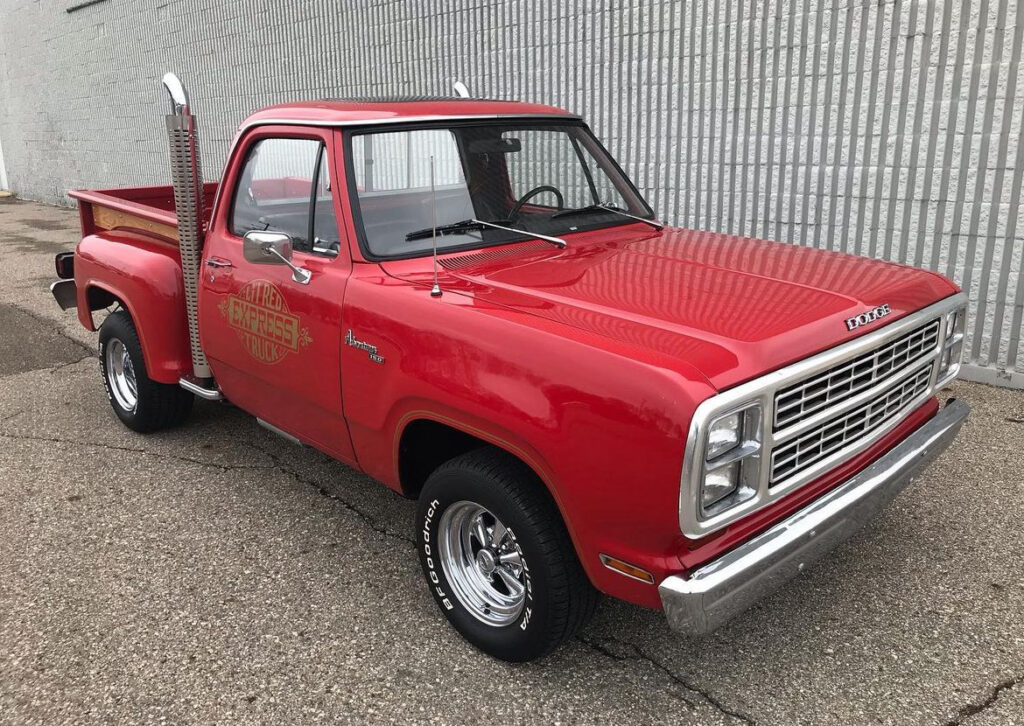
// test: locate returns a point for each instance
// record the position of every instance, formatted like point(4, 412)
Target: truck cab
point(469, 301)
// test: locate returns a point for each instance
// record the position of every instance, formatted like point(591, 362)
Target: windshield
point(521, 175)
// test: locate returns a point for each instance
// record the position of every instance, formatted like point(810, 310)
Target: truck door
point(274, 343)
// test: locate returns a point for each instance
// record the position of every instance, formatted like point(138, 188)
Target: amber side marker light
point(624, 568)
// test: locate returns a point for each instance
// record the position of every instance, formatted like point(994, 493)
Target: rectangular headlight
point(720, 483)
point(732, 450)
point(724, 434)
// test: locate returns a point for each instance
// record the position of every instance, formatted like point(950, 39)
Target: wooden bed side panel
point(108, 218)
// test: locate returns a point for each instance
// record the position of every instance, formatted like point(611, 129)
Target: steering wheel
point(514, 214)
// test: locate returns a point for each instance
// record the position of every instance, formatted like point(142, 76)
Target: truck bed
point(145, 209)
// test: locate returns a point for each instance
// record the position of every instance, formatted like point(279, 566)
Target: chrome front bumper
point(722, 589)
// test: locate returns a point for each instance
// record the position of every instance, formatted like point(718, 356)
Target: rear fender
point(144, 276)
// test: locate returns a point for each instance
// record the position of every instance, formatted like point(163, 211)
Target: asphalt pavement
point(218, 574)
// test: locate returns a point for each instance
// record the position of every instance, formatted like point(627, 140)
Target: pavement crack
point(604, 650)
point(133, 450)
point(323, 491)
point(61, 366)
point(278, 465)
point(639, 654)
point(973, 709)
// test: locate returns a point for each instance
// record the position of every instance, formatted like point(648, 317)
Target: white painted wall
point(3, 170)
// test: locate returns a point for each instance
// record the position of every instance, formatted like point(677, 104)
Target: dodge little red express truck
point(469, 301)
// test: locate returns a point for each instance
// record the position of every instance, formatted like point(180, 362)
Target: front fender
point(602, 423)
point(145, 276)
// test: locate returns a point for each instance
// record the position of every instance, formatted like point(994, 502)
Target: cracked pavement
point(219, 574)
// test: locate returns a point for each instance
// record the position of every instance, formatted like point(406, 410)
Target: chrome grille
point(847, 379)
point(835, 434)
point(872, 384)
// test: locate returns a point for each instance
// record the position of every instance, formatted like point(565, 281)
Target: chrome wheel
point(482, 563)
point(121, 375)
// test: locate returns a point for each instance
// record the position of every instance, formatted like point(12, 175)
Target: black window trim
point(320, 153)
point(350, 132)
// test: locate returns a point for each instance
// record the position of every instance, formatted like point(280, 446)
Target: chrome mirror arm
point(299, 274)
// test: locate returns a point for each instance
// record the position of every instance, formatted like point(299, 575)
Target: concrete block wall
point(882, 127)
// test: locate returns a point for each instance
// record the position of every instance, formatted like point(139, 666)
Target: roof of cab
point(350, 112)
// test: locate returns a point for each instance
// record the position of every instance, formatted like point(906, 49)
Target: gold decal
point(265, 325)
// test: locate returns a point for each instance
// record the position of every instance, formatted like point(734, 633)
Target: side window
point(275, 189)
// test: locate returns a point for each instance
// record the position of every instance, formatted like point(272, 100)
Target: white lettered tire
point(498, 559)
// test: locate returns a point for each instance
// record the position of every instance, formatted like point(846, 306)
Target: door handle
point(218, 262)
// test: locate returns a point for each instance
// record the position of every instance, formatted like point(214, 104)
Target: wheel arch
point(99, 295)
point(418, 454)
point(147, 283)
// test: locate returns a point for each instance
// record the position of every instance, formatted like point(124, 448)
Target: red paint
point(154, 204)
point(586, 362)
point(145, 274)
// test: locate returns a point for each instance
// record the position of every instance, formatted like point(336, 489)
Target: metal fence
point(886, 128)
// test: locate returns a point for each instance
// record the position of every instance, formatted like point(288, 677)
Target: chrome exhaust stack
point(187, 178)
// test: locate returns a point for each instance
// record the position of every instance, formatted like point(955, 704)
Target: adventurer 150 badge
point(265, 325)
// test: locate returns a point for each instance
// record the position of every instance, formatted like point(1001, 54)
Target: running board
point(283, 434)
point(209, 394)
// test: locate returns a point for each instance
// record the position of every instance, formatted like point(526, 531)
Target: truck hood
point(732, 307)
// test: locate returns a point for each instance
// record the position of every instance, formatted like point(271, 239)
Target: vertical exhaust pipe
point(187, 178)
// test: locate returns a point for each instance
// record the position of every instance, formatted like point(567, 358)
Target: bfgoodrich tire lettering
point(541, 598)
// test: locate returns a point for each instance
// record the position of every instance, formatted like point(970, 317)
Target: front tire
point(142, 404)
point(498, 559)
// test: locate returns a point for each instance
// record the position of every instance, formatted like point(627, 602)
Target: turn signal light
point(624, 568)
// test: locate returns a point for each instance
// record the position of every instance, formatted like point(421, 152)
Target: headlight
point(724, 434)
point(953, 344)
point(732, 459)
point(720, 483)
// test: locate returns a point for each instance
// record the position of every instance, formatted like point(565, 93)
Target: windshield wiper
point(469, 225)
point(607, 208)
point(466, 225)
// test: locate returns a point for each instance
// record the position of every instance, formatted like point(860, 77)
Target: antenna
point(435, 291)
point(461, 90)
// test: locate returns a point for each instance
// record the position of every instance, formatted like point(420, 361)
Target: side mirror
point(266, 248)
point(272, 248)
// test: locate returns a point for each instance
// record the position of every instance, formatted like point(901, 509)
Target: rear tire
point(142, 404)
point(498, 559)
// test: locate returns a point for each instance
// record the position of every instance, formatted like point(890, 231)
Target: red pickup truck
point(469, 301)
